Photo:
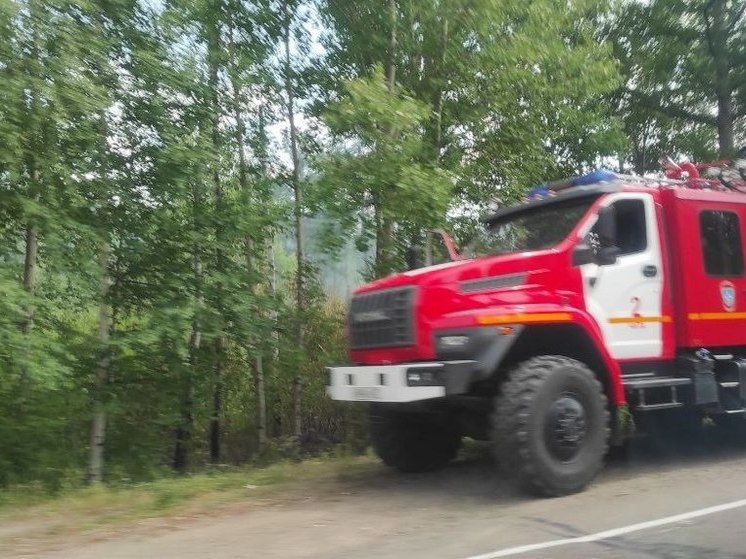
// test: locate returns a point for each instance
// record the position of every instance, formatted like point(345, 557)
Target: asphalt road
point(687, 495)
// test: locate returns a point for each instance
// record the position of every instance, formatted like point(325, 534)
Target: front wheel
point(413, 441)
point(551, 425)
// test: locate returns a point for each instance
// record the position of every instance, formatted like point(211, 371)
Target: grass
point(38, 515)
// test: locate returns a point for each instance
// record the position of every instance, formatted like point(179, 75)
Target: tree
point(54, 94)
point(289, 13)
point(685, 71)
point(248, 76)
point(377, 181)
point(158, 292)
point(512, 90)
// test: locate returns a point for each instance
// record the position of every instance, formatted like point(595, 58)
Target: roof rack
point(722, 176)
point(692, 183)
point(651, 181)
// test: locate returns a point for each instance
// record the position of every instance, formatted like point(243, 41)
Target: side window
point(720, 233)
point(631, 228)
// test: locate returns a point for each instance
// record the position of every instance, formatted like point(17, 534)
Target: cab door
point(625, 298)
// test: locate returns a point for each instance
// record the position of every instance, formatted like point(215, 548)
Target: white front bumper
point(384, 383)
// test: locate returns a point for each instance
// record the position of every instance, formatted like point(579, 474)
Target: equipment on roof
point(716, 175)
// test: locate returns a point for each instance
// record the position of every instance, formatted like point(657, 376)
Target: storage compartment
point(702, 372)
point(705, 388)
point(734, 371)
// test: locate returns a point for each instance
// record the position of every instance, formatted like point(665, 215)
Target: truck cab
point(595, 304)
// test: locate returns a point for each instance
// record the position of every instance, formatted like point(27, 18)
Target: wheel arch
point(569, 340)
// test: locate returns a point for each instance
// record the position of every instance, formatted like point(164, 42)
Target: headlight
point(425, 376)
point(453, 341)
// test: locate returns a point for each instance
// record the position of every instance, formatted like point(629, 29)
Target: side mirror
point(583, 254)
point(607, 255)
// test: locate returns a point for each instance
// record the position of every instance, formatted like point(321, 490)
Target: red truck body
point(639, 286)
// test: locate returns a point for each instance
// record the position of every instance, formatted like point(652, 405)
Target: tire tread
point(413, 444)
point(511, 416)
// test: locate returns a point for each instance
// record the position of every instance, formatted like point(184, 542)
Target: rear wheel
point(551, 425)
point(414, 441)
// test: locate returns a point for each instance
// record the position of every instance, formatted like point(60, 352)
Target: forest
point(162, 308)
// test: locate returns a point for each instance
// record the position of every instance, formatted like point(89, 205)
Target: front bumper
point(405, 382)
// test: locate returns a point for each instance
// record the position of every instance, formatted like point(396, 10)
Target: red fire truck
point(596, 303)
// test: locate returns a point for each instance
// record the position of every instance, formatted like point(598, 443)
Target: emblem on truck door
point(728, 295)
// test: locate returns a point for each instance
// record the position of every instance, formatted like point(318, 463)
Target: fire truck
point(597, 303)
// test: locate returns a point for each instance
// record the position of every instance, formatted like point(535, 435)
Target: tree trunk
point(29, 282)
point(640, 150)
point(439, 95)
point(213, 59)
point(249, 248)
point(261, 391)
point(297, 410)
point(384, 240)
point(384, 225)
point(273, 291)
point(214, 53)
point(217, 401)
point(717, 37)
point(391, 70)
point(184, 431)
point(725, 124)
point(182, 449)
point(297, 213)
point(29, 272)
point(98, 426)
point(32, 234)
point(260, 402)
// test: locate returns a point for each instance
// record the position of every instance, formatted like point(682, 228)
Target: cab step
point(639, 386)
point(655, 382)
point(662, 406)
point(632, 376)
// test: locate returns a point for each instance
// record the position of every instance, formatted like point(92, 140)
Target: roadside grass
point(89, 508)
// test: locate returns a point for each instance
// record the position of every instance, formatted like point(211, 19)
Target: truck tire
point(413, 441)
point(551, 425)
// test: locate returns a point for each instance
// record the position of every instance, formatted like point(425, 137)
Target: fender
point(511, 322)
point(613, 371)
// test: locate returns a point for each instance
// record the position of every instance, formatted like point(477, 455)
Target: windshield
point(534, 229)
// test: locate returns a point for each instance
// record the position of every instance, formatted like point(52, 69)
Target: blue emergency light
point(548, 189)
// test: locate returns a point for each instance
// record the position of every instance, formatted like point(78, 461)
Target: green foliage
point(508, 93)
point(681, 60)
point(380, 178)
point(152, 130)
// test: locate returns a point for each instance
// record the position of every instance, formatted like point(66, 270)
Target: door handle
point(650, 271)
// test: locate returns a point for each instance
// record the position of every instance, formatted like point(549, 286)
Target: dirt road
point(467, 512)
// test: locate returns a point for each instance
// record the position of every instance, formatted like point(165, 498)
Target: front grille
point(382, 319)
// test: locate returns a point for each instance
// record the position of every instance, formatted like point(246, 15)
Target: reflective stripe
point(717, 316)
point(638, 319)
point(523, 318)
